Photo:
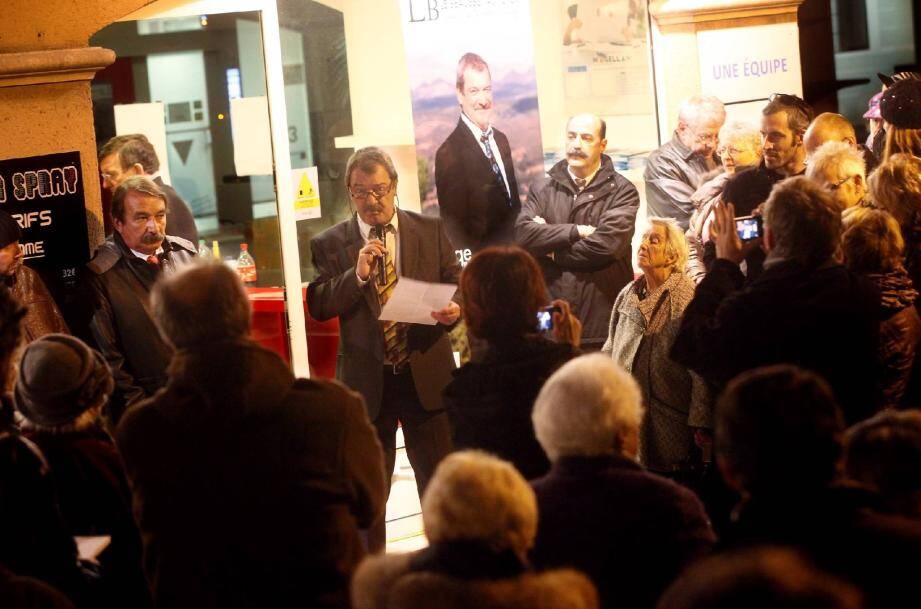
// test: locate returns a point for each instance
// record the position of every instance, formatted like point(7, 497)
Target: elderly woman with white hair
point(630, 530)
point(644, 324)
point(480, 518)
point(739, 149)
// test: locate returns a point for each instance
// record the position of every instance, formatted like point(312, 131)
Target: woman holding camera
point(644, 323)
point(491, 397)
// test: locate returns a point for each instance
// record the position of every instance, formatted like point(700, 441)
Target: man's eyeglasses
point(378, 191)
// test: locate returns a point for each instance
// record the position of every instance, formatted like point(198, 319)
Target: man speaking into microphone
point(400, 369)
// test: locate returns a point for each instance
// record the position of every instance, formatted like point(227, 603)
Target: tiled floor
point(404, 517)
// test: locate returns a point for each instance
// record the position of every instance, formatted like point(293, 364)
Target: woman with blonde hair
point(644, 323)
point(872, 245)
point(895, 186)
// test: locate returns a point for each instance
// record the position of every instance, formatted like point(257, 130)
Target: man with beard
point(123, 272)
point(578, 223)
point(783, 126)
point(477, 190)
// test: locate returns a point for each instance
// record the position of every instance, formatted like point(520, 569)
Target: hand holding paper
point(414, 302)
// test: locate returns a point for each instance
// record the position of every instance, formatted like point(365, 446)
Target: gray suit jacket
point(426, 254)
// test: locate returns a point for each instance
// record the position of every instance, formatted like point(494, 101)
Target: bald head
point(828, 127)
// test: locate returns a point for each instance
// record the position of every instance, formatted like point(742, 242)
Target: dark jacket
point(587, 273)
point(823, 319)
point(26, 593)
point(122, 326)
point(179, 219)
point(476, 209)
point(838, 529)
point(249, 486)
point(629, 530)
point(421, 581)
point(490, 400)
point(94, 497)
point(673, 173)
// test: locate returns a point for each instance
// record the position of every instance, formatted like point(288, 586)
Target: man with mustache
point(122, 273)
point(578, 223)
point(474, 175)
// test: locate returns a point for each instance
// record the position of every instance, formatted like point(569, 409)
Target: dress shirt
point(144, 256)
point(477, 133)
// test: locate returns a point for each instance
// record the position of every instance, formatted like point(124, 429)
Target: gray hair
point(586, 408)
point(804, 220)
point(139, 184)
point(833, 156)
point(204, 302)
point(743, 133)
point(698, 109)
point(676, 243)
point(367, 160)
point(478, 497)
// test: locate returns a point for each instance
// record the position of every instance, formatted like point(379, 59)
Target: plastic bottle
point(246, 266)
point(216, 249)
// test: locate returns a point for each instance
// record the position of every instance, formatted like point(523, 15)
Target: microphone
point(377, 232)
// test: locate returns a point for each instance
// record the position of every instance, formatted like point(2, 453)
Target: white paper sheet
point(149, 120)
point(413, 301)
point(252, 143)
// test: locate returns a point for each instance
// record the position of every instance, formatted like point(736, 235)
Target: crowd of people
point(734, 424)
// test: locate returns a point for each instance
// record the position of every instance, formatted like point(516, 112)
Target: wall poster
point(45, 196)
point(487, 45)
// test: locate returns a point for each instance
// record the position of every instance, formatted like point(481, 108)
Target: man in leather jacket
point(122, 273)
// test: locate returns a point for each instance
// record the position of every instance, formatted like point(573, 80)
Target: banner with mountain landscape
point(437, 34)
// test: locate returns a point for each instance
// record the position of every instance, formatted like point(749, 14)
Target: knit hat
point(9, 229)
point(60, 378)
point(901, 104)
point(873, 107)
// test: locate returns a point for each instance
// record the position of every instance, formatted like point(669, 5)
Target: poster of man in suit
point(475, 114)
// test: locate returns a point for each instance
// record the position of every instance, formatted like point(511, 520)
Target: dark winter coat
point(95, 500)
point(839, 529)
point(122, 326)
point(587, 273)
point(249, 486)
point(410, 581)
point(490, 400)
point(824, 319)
point(631, 531)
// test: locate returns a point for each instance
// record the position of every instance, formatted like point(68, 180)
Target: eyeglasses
point(834, 187)
point(378, 191)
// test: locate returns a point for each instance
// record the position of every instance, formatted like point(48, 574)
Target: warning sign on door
point(306, 193)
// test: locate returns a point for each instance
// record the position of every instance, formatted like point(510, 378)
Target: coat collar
point(559, 173)
point(593, 465)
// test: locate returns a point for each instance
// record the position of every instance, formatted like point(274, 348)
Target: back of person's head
point(896, 187)
point(589, 407)
point(778, 428)
point(828, 127)
point(204, 302)
point(763, 578)
point(799, 113)
point(502, 288)
point(872, 241)
point(133, 148)
point(804, 220)
point(62, 384)
point(476, 497)
point(884, 453)
point(747, 190)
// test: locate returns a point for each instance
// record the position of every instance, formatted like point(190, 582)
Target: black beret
point(901, 104)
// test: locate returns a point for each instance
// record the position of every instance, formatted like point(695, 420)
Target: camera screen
point(544, 321)
point(748, 228)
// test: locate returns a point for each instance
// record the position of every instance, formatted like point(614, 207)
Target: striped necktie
point(396, 345)
point(495, 166)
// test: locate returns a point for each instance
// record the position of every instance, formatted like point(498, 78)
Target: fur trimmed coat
point(388, 582)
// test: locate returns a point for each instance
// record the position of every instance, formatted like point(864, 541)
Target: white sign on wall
point(746, 63)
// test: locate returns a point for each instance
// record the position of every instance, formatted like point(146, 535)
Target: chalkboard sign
point(45, 196)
